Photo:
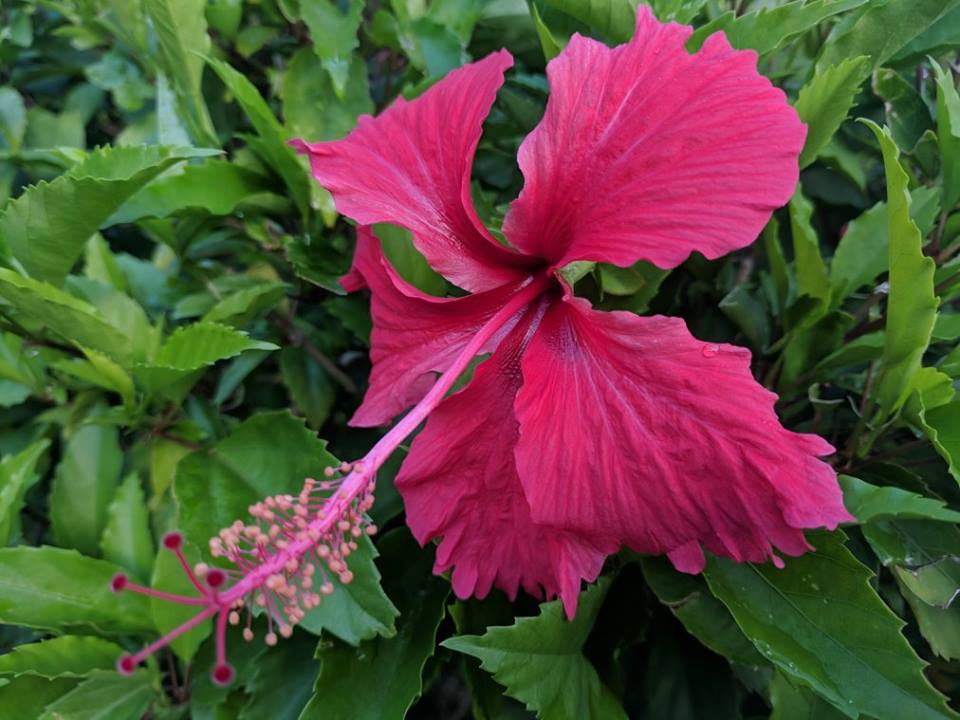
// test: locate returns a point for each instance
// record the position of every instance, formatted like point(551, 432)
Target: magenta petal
point(631, 427)
point(648, 153)
point(414, 334)
point(411, 166)
point(460, 483)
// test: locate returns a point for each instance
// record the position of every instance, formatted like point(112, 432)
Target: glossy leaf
point(870, 502)
point(55, 589)
point(912, 304)
point(948, 133)
point(126, 538)
point(825, 101)
point(105, 696)
point(65, 656)
point(84, 485)
point(822, 624)
point(17, 474)
point(540, 660)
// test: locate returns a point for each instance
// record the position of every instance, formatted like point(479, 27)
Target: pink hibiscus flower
point(584, 430)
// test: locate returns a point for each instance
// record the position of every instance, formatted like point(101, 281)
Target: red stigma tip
point(172, 540)
point(223, 674)
point(216, 578)
point(126, 665)
point(119, 582)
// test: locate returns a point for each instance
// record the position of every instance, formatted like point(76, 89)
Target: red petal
point(631, 427)
point(648, 153)
point(411, 166)
point(414, 334)
point(460, 483)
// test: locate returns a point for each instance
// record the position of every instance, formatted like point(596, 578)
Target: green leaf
point(61, 590)
point(13, 119)
point(912, 304)
point(869, 502)
point(883, 30)
point(47, 227)
point(273, 138)
point(540, 660)
point(84, 486)
point(822, 624)
point(310, 388)
point(192, 348)
point(907, 113)
point(948, 134)
point(825, 101)
point(795, 702)
point(181, 31)
point(397, 244)
point(281, 679)
point(812, 279)
point(168, 575)
point(548, 42)
point(942, 425)
point(940, 627)
point(393, 665)
point(769, 28)
point(704, 617)
point(27, 696)
point(862, 253)
point(614, 19)
point(216, 186)
point(924, 555)
point(241, 307)
point(105, 696)
point(18, 473)
point(334, 35)
point(126, 539)
point(359, 610)
point(69, 317)
point(67, 656)
point(311, 108)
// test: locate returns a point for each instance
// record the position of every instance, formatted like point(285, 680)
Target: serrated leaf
point(28, 695)
point(168, 575)
point(924, 555)
point(770, 27)
point(942, 425)
point(795, 702)
point(47, 227)
point(279, 683)
point(216, 186)
point(883, 30)
point(540, 660)
point(242, 306)
point(311, 109)
point(948, 133)
point(912, 304)
point(822, 624)
point(333, 29)
point(84, 486)
point(55, 589)
point(126, 539)
point(940, 627)
point(704, 617)
point(192, 348)
point(17, 474)
point(614, 19)
point(105, 696)
point(825, 101)
point(862, 253)
point(268, 454)
point(393, 665)
point(66, 656)
point(273, 138)
point(181, 31)
point(357, 611)
point(869, 502)
point(812, 279)
point(907, 114)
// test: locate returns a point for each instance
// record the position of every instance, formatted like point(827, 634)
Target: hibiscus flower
point(584, 430)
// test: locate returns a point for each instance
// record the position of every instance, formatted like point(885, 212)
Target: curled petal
point(648, 153)
point(411, 166)
point(631, 427)
point(414, 334)
point(460, 483)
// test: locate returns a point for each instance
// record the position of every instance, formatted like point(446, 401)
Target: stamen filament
point(279, 564)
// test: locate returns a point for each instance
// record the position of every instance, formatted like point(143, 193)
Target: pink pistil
point(283, 558)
